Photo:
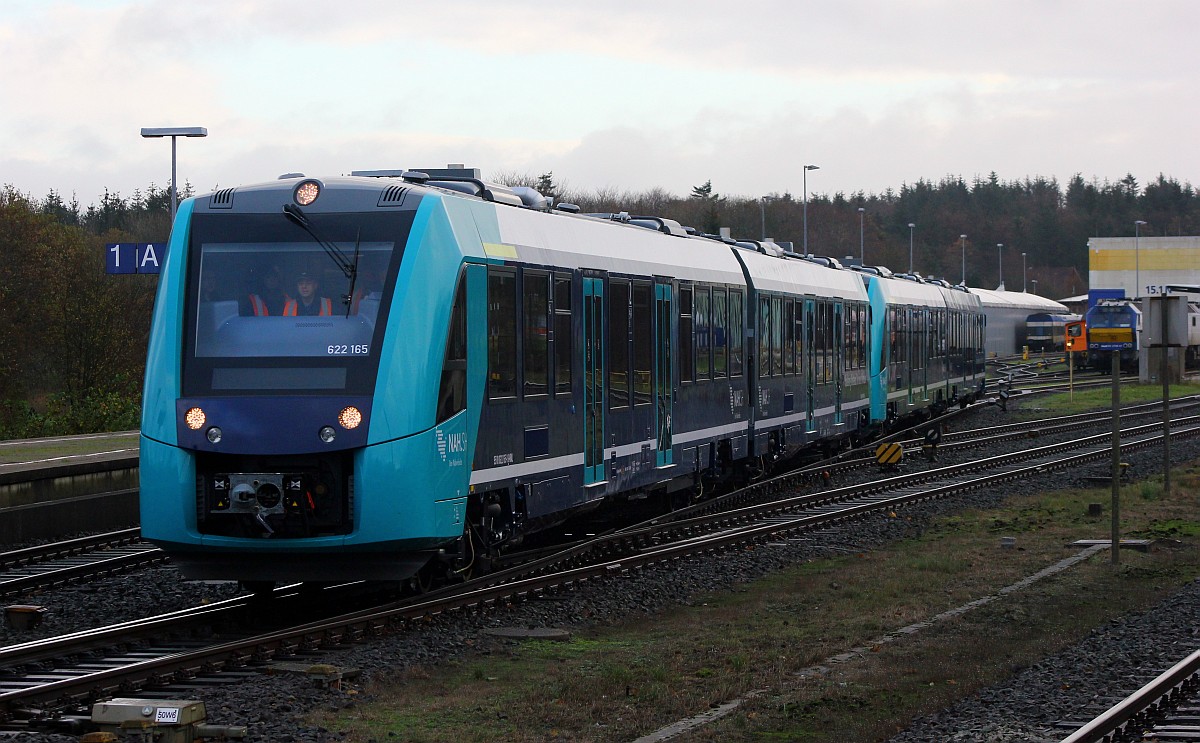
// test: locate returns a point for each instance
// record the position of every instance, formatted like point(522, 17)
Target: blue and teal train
point(492, 366)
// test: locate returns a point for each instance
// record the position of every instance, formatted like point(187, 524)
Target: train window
point(643, 342)
point(618, 344)
point(687, 360)
point(823, 345)
point(849, 332)
point(764, 337)
point(809, 345)
point(562, 345)
point(777, 335)
point(860, 336)
point(838, 364)
point(452, 396)
point(919, 327)
point(789, 336)
point(703, 334)
point(536, 352)
point(720, 334)
point(832, 342)
point(502, 334)
point(736, 333)
point(798, 332)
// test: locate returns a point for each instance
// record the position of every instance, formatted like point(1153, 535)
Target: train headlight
point(194, 418)
point(327, 434)
point(350, 417)
point(214, 435)
point(307, 192)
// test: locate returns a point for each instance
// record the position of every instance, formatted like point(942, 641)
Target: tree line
point(73, 343)
point(1039, 217)
point(72, 349)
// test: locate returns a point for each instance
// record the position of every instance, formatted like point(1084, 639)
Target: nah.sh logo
point(455, 443)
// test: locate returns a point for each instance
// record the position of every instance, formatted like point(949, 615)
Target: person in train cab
point(370, 282)
point(274, 297)
point(307, 301)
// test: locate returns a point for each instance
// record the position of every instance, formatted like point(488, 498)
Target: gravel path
point(1021, 709)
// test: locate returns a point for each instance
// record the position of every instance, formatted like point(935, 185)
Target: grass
point(37, 450)
point(1100, 398)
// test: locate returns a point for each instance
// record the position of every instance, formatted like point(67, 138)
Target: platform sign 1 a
point(123, 258)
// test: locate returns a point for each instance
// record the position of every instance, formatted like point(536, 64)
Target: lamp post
point(1137, 278)
point(804, 181)
point(174, 132)
point(1000, 250)
point(911, 225)
point(1034, 282)
point(762, 206)
point(1023, 275)
point(861, 253)
point(964, 253)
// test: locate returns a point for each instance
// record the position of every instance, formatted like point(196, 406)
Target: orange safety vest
point(258, 306)
point(290, 307)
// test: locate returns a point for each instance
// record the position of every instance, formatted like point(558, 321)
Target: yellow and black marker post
point(889, 454)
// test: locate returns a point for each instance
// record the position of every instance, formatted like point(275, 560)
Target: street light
point(861, 253)
point(762, 206)
point(911, 225)
point(173, 132)
point(1000, 249)
point(964, 252)
point(804, 181)
point(1023, 276)
point(1137, 278)
point(1034, 282)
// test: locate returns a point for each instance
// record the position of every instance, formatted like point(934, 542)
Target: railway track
point(31, 692)
point(74, 560)
point(950, 441)
point(1166, 708)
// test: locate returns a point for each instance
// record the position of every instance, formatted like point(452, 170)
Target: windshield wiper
point(347, 266)
point(349, 298)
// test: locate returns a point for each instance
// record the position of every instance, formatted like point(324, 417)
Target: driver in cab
point(307, 301)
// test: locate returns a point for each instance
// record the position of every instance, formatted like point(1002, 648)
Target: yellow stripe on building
point(1173, 259)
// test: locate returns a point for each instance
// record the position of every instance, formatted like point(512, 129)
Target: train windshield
point(1110, 317)
point(273, 309)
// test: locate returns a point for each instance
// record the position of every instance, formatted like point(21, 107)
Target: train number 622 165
point(343, 350)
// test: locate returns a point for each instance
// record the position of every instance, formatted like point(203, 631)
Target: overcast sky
point(606, 94)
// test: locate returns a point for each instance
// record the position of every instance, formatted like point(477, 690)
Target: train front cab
point(270, 485)
point(1113, 327)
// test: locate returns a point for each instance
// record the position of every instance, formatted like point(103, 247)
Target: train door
point(593, 380)
point(839, 361)
point(810, 363)
point(664, 377)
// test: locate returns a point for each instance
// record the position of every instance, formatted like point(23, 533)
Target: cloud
point(625, 95)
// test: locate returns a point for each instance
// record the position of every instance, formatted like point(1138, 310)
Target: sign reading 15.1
point(134, 257)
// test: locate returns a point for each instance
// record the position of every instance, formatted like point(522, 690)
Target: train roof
point(794, 276)
point(569, 241)
point(1001, 300)
point(903, 289)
